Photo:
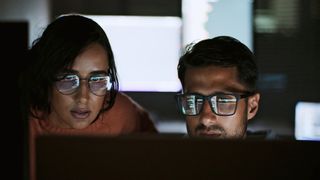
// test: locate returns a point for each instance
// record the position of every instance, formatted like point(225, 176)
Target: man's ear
point(253, 105)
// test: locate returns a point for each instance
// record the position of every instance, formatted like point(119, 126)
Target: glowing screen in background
point(307, 121)
point(146, 50)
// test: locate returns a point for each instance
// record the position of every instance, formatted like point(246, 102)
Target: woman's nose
point(83, 91)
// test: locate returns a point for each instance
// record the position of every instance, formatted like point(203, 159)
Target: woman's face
point(80, 108)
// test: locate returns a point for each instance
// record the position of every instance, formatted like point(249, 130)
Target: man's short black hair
point(223, 51)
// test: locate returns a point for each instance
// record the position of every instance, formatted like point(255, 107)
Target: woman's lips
point(80, 114)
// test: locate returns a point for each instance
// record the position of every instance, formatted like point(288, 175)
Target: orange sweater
point(125, 117)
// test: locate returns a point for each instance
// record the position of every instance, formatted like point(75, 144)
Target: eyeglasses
point(98, 84)
point(221, 104)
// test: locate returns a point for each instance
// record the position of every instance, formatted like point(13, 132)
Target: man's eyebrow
point(235, 89)
point(226, 90)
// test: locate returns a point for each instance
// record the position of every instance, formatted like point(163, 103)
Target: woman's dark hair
point(61, 42)
point(221, 51)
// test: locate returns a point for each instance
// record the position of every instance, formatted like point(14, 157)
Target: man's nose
point(207, 117)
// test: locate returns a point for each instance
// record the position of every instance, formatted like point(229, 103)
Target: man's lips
point(209, 133)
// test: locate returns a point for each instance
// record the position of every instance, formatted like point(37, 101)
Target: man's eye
point(227, 100)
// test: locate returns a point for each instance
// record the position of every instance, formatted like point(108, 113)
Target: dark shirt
point(261, 135)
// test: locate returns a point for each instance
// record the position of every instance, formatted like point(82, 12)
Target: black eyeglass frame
point(237, 96)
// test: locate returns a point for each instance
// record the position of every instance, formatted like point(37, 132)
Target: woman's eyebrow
point(99, 72)
point(69, 71)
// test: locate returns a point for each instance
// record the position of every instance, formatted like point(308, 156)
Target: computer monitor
point(174, 157)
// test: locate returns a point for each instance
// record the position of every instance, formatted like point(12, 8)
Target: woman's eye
point(97, 78)
point(68, 77)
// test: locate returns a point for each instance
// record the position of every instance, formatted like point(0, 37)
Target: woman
point(70, 86)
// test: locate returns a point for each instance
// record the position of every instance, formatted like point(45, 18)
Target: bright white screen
point(210, 18)
point(307, 121)
point(146, 49)
point(232, 18)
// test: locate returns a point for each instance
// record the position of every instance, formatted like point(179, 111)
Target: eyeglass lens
point(98, 84)
point(222, 104)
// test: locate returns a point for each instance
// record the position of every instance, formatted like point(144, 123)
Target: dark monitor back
point(13, 48)
point(171, 157)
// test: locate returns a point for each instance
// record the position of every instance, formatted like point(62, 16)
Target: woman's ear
point(253, 105)
point(106, 101)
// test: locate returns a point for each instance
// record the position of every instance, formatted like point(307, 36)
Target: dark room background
point(284, 37)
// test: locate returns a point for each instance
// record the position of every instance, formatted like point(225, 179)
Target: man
point(219, 96)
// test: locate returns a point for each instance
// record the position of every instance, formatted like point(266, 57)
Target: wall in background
point(35, 12)
point(286, 40)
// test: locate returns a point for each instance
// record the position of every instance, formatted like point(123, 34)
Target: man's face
point(210, 80)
